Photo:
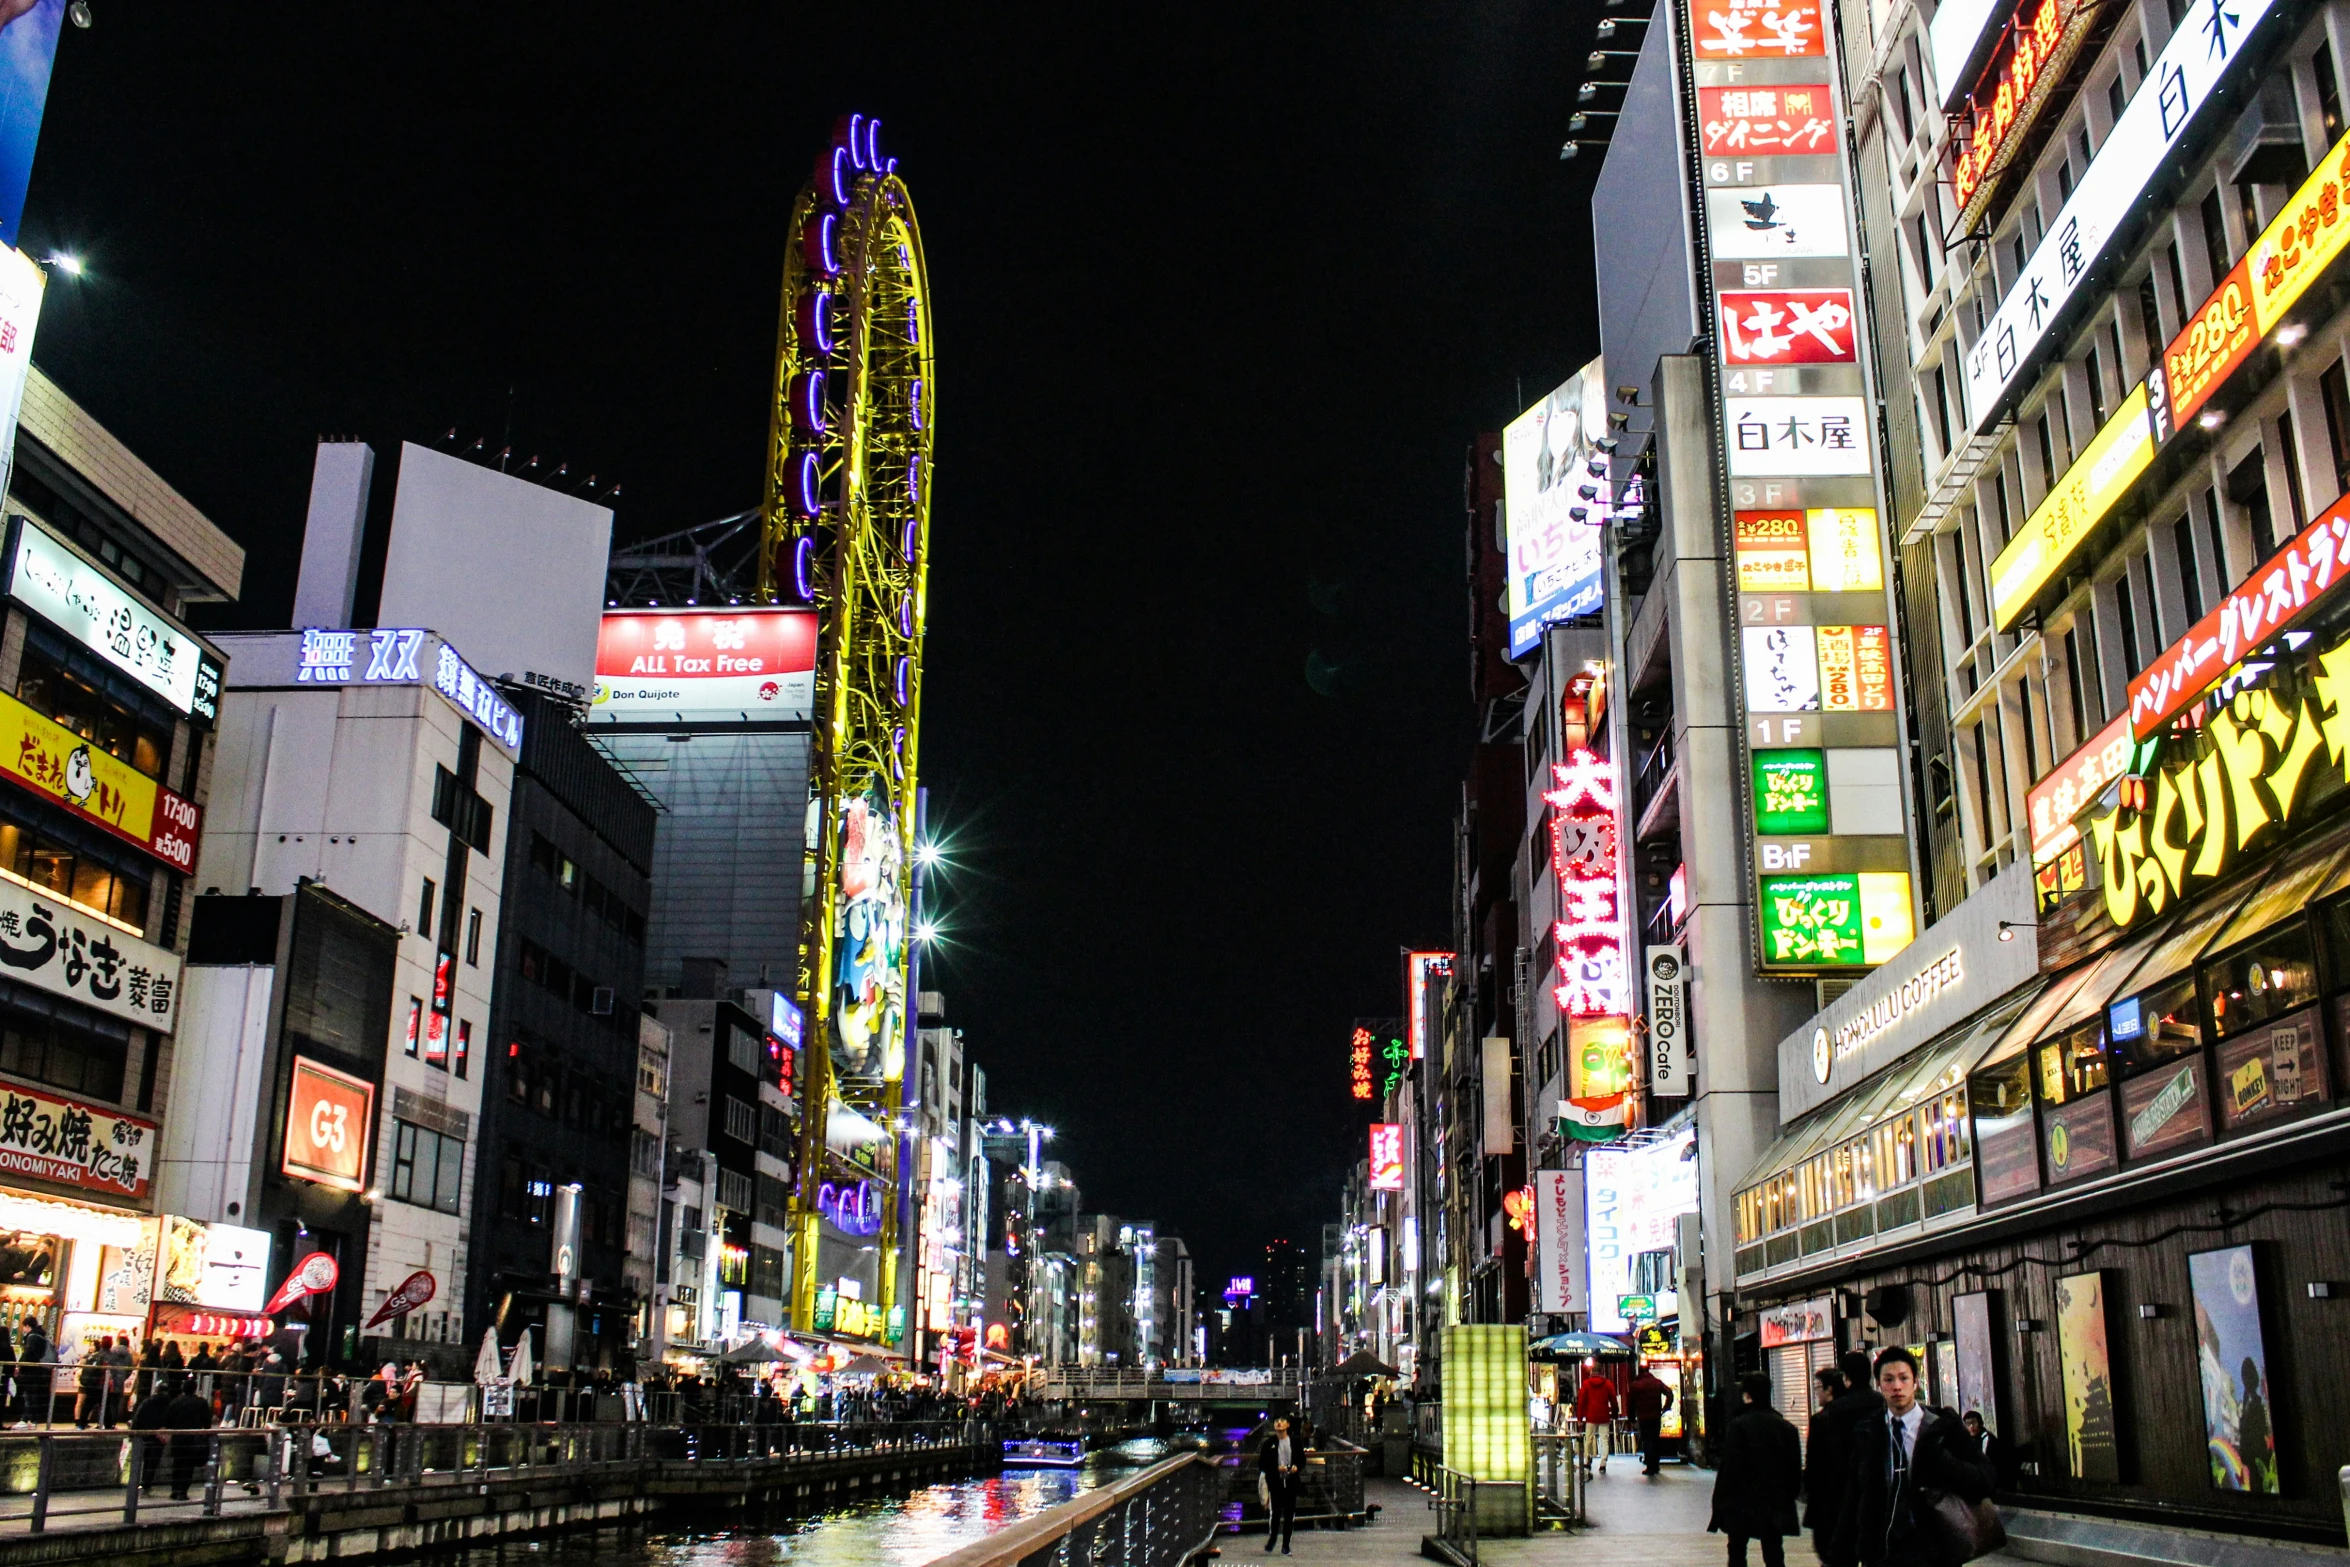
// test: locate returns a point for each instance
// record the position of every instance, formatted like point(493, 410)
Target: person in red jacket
point(1646, 1402)
point(1595, 1406)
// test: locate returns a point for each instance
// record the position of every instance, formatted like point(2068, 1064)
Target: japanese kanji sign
point(53, 761)
point(1757, 29)
point(1798, 435)
point(73, 1144)
point(1803, 326)
point(1775, 221)
point(1589, 935)
point(49, 943)
point(1745, 121)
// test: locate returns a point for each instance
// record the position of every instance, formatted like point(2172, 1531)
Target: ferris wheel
point(846, 529)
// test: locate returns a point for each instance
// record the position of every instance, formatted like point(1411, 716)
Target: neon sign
point(1359, 1062)
point(851, 1205)
point(1589, 935)
point(1387, 1157)
point(1422, 967)
point(2024, 72)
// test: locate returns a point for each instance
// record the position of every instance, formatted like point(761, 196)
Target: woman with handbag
point(1918, 1490)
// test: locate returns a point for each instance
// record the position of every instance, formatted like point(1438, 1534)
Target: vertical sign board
point(1560, 1283)
point(1670, 1060)
point(1828, 833)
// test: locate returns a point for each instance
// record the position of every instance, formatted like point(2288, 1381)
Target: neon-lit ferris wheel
point(847, 520)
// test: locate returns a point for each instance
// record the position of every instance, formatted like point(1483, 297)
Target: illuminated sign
point(47, 1137)
point(1807, 326)
point(1556, 490)
point(1600, 1063)
point(1744, 121)
point(2026, 66)
point(329, 1116)
point(1791, 792)
point(1558, 1241)
point(1634, 1198)
point(869, 940)
point(1671, 1062)
point(1848, 920)
point(2302, 240)
point(852, 1205)
point(51, 578)
point(2167, 104)
point(659, 665)
point(1780, 437)
point(405, 657)
point(1920, 990)
point(1589, 934)
point(21, 285)
point(217, 1265)
point(1777, 222)
point(2071, 510)
point(58, 947)
point(2061, 796)
point(54, 762)
point(1386, 1157)
point(1358, 1063)
point(1759, 29)
point(1636, 1308)
point(1420, 968)
point(1958, 26)
point(2276, 597)
point(1828, 550)
point(2232, 783)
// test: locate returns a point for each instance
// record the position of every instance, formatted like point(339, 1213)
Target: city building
point(110, 700)
point(644, 1254)
point(560, 1088)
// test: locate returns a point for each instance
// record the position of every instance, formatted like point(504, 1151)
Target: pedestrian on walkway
point(33, 1376)
point(1595, 1406)
point(188, 1415)
point(1909, 1449)
point(1281, 1460)
point(1646, 1402)
point(1828, 1450)
point(1760, 1471)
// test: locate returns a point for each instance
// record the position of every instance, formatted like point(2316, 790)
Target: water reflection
point(903, 1531)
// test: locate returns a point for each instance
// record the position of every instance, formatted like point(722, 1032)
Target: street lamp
point(64, 261)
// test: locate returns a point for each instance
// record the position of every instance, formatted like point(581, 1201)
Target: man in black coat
point(1282, 1461)
point(1761, 1469)
point(1829, 1452)
point(189, 1415)
point(1907, 1450)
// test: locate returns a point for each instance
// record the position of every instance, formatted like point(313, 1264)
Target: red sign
point(2274, 598)
point(197, 1322)
point(1777, 121)
point(1788, 326)
point(328, 1117)
point(1589, 935)
point(415, 1290)
point(730, 661)
point(313, 1275)
point(2056, 799)
point(1856, 669)
point(1386, 1156)
point(1757, 29)
point(2008, 97)
point(63, 1140)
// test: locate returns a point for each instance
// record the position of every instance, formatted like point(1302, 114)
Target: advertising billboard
point(329, 1117)
point(1813, 659)
point(55, 581)
point(869, 943)
point(28, 52)
point(68, 951)
point(1633, 1196)
point(50, 1138)
point(1550, 526)
point(220, 1266)
point(62, 767)
point(1386, 1156)
point(1559, 1284)
point(662, 665)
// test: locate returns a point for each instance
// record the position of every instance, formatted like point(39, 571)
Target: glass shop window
point(2076, 1113)
point(2073, 1064)
point(2007, 1162)
point(2273, 975)
point(2155, 1026)
point(75, 876)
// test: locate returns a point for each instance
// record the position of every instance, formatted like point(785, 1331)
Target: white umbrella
point(486, 1368)
point(519, 1368)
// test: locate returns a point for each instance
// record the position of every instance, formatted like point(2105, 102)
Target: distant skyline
point(1222, 299)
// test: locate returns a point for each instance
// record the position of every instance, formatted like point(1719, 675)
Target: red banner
point(313, 1275)
point(1771, 121)
point(1757, 29)
point(1788, 326)
point(417, 1289)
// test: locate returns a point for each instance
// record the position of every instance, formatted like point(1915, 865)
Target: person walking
point(1896, 1455)
point(1760, 1470)
point(89, 1383)
point(188, 1415)
point(1282, 1461)
point(34, 1375)
point(1646, 1401)
point(1828, 1448)
point(1595, 1406)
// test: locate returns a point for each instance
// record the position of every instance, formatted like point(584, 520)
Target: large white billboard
point(1552, 530)
point(659, 666)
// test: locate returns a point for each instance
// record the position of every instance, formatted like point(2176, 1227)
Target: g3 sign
point(328, 1118)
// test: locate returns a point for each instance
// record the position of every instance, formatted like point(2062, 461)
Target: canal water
point(903, 1531)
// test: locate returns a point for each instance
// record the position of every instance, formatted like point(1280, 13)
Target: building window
point(122, 733)
point(424, 910)
point(773, 1200)
point(544, 856)
point(427, 1168)
point(473, 939)
point(742, 1121)
point(734, 1191)
point(464, 1047)
point(415, 1026)
point(76, 876)
point(40, 1049)
point(2334, 392)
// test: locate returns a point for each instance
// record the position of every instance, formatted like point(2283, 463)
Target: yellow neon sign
point(2244, 778)
point(2072, 509)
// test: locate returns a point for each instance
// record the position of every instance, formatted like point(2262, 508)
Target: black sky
point(1221, 293)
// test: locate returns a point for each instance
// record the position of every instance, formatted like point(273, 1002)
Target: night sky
point(1222, 292)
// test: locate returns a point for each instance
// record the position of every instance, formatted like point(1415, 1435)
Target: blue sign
point(394, 656)
point(28, 49)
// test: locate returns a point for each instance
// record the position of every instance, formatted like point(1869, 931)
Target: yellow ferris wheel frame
point(847, 530)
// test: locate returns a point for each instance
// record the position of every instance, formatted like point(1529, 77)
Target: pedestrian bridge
point(1177, 1384)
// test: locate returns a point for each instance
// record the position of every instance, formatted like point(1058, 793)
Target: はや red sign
point(1793, 326)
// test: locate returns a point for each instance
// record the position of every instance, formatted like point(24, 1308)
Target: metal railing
point(1161, 1517)
point(1185, 1382)
point(1558, 1474)
point(1457, 1510)
point(1330, 1486)
point(63, 1479)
